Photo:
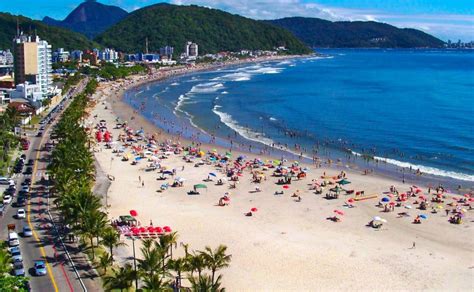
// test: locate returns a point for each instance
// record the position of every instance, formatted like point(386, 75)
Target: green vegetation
point(317, 32)
point(213, 30)
point(57, 37)
point(72, 80)
point(7, 281)
point(110, 71)
point(9, 142)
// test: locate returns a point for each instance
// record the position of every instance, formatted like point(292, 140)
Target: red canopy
point(133, 213)
point(286, 187)
point(158, 229)
point(254, 209)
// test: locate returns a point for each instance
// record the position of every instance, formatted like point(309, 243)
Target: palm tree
point(5, 261)
point(151, 261)
point(156, 283)
point(122, 278)
point(216, 259)
point(92, 226)
point(173, 241)
point(205, 283)
point(179, 265)
point(111, 239)
point(105, 261)
point(196, 263)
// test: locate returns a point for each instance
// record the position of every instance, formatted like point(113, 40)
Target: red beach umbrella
point(135, 230)
point(351, 200)
point(167, 229)
point(339, 212)
point(392, 203)
point(422, 197)
point(133, 213)
point(286, 187)
point(226, 199)
point(142, 229)
point(151, 229)
point(254, 209)
point(158, 229)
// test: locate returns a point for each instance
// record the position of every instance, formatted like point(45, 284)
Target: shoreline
point(379, 167)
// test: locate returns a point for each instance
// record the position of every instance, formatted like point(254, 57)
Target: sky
point(446, 19)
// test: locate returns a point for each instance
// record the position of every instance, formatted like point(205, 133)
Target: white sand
point(290, 245)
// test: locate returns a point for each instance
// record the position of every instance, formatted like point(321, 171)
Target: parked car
point(27, 232)
point(21, 213)
point(40, 268)
point(20, 202)
point(16, 254)
point(7, 199)
point(27, 181)
point(30, 162)
point(6, 181)
point(18, 269)
point(25, 189)
point(13, 239)
point(29, 170)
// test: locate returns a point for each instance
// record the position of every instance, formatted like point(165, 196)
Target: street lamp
point(135, 263)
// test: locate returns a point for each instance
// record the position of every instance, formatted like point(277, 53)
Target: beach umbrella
point(423, 216)
point(135, 230)
point(463, 210)
point(142, 229)
point(158, 230)
point(254, 209)
point(386, 199)
point(286, 187)
point(167, 229)
point(392, 203)
point(351, 200)
point(212, 174)
point(408, 207)
point(439, 207)
point(151, 229)
point(339, 212)
point(133, 213)
point(376, 218)
point(422, 197)
point(200, 186)
point(226, 199)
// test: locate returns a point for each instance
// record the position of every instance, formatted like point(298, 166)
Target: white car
point(25, 188)
point(21, 214)
point(7, 199)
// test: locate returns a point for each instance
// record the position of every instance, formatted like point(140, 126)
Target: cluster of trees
point(7, 281)
point(213, 30)
point(110, 71)
point(159, 271)
point(8, 120)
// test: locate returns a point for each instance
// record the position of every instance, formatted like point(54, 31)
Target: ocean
point(410, 109)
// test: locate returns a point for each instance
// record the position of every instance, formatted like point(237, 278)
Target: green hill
point(213, 30)
point(57, 37)
point(317, 32)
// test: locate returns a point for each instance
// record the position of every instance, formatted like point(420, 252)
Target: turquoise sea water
point(409, 108)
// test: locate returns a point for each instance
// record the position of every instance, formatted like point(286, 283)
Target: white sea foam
point(242, 131)
point(208, 87)
point(224, 92)
point(174, 84)
point(424, 169)
point(272, 119)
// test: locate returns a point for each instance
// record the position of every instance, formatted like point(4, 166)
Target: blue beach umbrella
point(212, 174)
point(423, 216)
point(386, 199)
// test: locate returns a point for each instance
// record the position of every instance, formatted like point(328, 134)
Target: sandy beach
point(287, 245)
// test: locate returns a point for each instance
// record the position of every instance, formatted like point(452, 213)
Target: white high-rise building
point(33, 60)
point(191, 50)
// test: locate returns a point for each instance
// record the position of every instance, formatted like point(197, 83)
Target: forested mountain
point(213, 30)
point(317, 32)
point(90, 18)
point(57, 37)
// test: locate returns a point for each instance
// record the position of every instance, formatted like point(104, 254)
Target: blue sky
point(445, 19)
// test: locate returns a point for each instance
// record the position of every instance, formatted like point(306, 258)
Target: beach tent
point(343, 182)
point(200, 186)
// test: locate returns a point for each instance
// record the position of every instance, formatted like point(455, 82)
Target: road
point(45, 242)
